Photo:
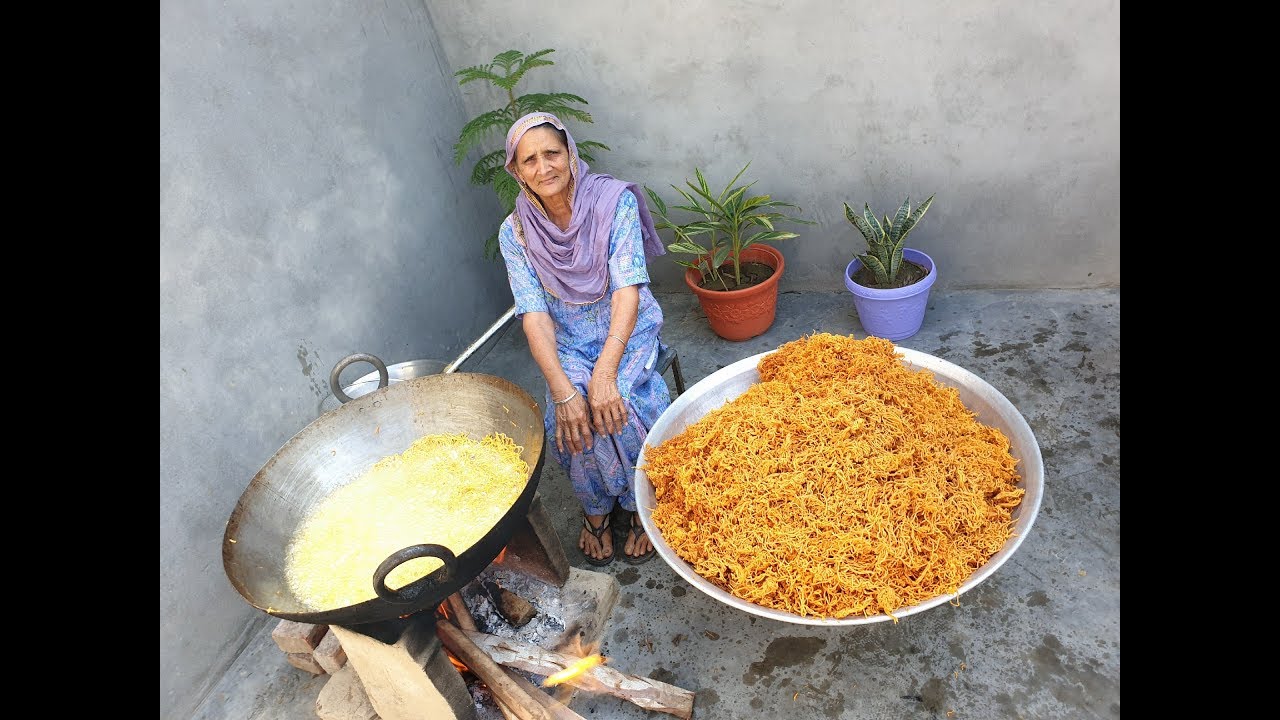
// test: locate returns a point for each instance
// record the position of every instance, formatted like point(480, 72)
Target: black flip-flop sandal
point(634, 529)
point(598, 532)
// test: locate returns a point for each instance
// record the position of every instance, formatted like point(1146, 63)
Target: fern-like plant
point(726, 219)
point(885, 240)
point(505, 72)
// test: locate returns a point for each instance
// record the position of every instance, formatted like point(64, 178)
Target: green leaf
point(488, 166)
point(530, 62)
point(766, 237)
point(718, 211)
point(485, 176)
point(722, 254)
point(699, 227)
point(735, 177)
point(851, 217)
point(507, 58)
point(914, 218)
point(559, 104)
point(479, 128)
point(733, 199)
point(506, 188)
point(492, 249)
point(701, 188)
point(694, 206)
point(586, 145)
point(592, 144)
point(868, 233)
point(657, 206)
point(477, 72)
point(876, 229)
point(876, 267)
point(896, 225)
point(689, 248)
point(760, 203)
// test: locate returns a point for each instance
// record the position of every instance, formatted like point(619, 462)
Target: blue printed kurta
point(603, 475)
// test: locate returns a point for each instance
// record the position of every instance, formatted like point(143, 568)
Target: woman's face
point(542, 160)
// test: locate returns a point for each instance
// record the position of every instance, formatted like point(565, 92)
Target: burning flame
point(573, 670)
point(501, 554)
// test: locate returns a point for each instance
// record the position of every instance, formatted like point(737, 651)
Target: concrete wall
point(1008, 111)
point(309, 209)
point(309, 206)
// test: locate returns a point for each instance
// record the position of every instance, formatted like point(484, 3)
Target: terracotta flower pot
point(741, 314)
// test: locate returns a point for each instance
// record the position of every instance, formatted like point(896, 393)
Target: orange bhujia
point(842, 483)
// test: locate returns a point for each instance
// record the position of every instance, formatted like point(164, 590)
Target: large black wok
point(337, 448)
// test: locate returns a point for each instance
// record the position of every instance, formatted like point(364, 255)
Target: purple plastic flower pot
point(894, 314)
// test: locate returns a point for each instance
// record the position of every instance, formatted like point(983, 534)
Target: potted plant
point(890, 282)
point(735, 274)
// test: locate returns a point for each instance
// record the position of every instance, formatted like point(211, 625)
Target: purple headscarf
point(573, 264)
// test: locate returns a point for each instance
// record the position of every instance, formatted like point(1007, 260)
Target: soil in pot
point(909, 274)
point(753, 273)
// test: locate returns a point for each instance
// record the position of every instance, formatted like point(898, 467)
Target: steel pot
point(337, 448)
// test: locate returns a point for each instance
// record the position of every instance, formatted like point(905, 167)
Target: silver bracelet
point(572, 395)
point(615, 337)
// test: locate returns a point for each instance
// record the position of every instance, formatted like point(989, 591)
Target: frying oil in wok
point(444, 489)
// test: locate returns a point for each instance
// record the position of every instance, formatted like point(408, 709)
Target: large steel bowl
point(338, 448)
point(715, 390)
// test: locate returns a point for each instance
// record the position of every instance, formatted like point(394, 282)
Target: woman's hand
point(608, 411)
point(573, 426)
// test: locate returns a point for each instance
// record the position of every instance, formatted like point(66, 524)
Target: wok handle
point(398, 558)
point(383, 378)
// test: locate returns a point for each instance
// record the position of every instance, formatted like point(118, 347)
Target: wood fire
point(573, 670)
point(493, 660)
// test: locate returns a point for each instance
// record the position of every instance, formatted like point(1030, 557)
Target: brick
point(411, 679)
point(296, 637)
point(305, 661)
point(343, 698)
point(329, 654)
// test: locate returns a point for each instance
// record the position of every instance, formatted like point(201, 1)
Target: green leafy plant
point(727, 218)
point(506, 71)
point(885, 240)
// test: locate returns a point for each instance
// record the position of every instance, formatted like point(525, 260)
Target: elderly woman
point(575, 251)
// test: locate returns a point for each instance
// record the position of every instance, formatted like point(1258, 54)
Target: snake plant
point(885, 240)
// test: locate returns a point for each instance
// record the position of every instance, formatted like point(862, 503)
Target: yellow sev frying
point(444, 489)
point(842, 483)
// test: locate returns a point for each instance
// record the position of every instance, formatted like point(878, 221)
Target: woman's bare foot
point(637, 541)
point(637, 547)
point(595, 540)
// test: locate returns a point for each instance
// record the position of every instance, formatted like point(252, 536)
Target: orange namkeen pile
point(841, 483)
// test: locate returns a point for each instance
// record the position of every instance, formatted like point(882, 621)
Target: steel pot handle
point(396, 559)
point(383, 378)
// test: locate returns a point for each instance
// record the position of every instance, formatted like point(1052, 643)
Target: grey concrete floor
point(1040, 638)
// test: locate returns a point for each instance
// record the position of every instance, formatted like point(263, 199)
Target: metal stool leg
point(670, 359)
point(675, 367)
